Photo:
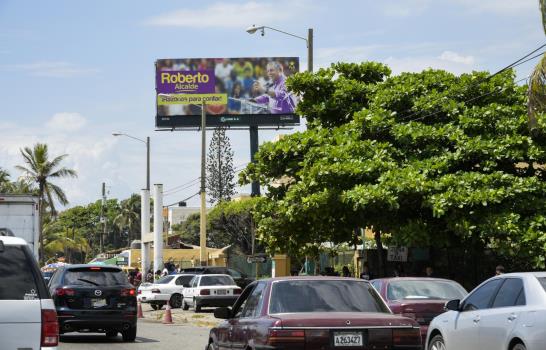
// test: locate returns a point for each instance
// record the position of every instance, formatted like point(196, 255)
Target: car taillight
point(128, 292)
point(50, 328)
point(406, 337)
point(285, 336)
point(65, 291)
point(139, 292)
point(156, 291)
point(204, 292)
point(237, 291)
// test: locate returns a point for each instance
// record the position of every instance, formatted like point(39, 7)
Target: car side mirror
point(453, 305)
point(222, 312)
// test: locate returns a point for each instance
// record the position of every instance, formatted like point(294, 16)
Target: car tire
point(437, 343)
point(111, 334)
point(196, 307)
point(185, 305)
point(176, 301)
point(519, 346)
point(129, 335)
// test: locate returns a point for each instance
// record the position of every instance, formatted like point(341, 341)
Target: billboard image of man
point(274, 93)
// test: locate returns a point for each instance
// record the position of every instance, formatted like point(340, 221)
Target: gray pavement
point(150, 335)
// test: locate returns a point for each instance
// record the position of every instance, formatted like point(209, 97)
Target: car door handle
point(512, 317)
point(476, 319)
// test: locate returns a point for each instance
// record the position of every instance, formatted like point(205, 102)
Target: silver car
point(506, 312)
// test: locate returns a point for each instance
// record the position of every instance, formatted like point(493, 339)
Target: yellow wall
point(282, 265)
point(216, 258)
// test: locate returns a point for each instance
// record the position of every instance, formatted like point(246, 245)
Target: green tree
point(128, 218)
point(189, 230)
point(431, 158)
point(40, 169)
point(220, 179)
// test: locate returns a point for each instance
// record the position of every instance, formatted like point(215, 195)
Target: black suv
point(93, 298)
point(241, 279)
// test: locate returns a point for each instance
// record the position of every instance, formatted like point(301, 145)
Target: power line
point(183, 200)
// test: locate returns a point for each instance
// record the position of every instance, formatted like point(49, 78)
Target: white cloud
point(227, 15)
point(502, 7)
point(418, 63)
point(52, 69)
point(66, 122)
point(451, 56)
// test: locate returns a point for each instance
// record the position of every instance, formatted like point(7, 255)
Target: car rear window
point(94, 276)
point(164, 280)
point(216, 281)
point(425, 289)
point(16, 279)
point(325, 296)
point(542, 281)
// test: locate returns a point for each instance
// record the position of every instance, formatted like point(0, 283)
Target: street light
point(147, 143)
point(308, 40)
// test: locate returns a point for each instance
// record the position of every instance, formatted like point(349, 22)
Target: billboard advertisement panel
point(237, 91)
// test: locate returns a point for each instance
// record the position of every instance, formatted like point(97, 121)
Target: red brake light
point(127, 292)
point(282, 336)
point(65, 291)
point(95, 268)
point(50, 328)
point(406, 336)
point(204, 292)
point(237, 291)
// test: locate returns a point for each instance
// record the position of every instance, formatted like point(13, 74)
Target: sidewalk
point(205, 318)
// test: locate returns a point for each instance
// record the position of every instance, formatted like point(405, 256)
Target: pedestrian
point(499, 270)
point(177, 268)
point(138, 278)
point(345, 271)
point(150, 276)
point(157, 274)
point(429, 272)
point(366, 274)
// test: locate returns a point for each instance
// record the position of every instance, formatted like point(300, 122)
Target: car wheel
point(185, 306)
point(111, 334)
point(129, 335)
point(437, 343)
point(175, 301)
point(197, 307)
point(519, 346)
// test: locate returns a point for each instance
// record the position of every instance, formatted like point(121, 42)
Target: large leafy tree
point(431, 158)
point(39, 168)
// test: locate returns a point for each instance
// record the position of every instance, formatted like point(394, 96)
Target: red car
point(420, 298)
point(313, 313)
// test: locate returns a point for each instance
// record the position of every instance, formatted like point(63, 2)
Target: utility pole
point(203, 216)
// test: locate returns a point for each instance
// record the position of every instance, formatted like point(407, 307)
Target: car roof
point(524, 274)
point(79, 266)
point(392, 279)
point(9, 240)
point(314, 278)
point(214, 275)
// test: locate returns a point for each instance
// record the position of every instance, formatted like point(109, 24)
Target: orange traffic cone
point(168, 319)
point(139, 310)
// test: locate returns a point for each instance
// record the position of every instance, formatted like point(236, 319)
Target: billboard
point(237, 92)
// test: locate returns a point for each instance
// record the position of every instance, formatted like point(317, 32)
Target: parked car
point(210, 290)
point(240, 278)
point(312, 312)
point(166, 289)
point(420, 298)
point(93, 298)
point(27, 318)
point(504, 312)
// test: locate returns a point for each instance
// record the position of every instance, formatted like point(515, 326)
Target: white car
point(166, 289)
point(28, 319)
point(506, 312)
point(210, 290)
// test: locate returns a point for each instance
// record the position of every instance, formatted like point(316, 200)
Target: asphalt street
point(150, 336)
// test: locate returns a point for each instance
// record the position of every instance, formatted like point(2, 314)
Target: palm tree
point(40, 169)
point(129, 216)
point(536, 92)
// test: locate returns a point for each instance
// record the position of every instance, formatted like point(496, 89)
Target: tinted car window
point(254, 302)
point(164, 280)
point(376, 285)
point(16, 279)
point(508, 293)
point(234, 274)
point(424, 289)
point(216, 281)
point(481, 297)
point(325, 295)
point(183, 280)
point(94, 277)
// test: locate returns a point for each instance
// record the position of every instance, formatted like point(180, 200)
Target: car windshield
point(95, 277)
point(216, 281)
point(425, 289)
point(325, 296)
point(164, 280)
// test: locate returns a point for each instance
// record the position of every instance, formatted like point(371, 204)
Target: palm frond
point(59, 193)
point(536, 92)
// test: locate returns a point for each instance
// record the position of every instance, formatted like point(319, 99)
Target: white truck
point(20, 215)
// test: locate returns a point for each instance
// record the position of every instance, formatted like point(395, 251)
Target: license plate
point(221, 292)
point(98, 302)
point(348, 339)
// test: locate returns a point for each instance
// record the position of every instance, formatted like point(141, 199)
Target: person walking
point(499, 270)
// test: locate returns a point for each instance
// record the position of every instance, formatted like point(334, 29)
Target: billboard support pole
point(203, 216)
point(255, 189)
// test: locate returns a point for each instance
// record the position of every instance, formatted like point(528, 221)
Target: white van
point(27, 314)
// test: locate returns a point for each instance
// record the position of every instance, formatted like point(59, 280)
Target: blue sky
point(73, 72)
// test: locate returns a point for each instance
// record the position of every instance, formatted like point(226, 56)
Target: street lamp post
point(144, 204)
point(308, 40)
